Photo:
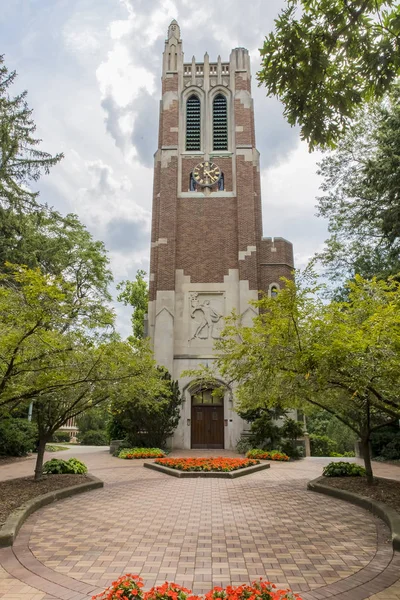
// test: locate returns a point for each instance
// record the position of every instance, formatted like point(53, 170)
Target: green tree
point(361, 185)
point(64, 357)
point(21, 160)
point(265, 432)
point(32, 233)
point(148, 419)
point(136, 294)
point(326, 58)
point(92, 376)
point(342, 357)
point(95, 419)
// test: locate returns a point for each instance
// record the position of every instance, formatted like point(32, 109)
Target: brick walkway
point(199, 533)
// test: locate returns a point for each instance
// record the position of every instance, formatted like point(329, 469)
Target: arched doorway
point(207, 422)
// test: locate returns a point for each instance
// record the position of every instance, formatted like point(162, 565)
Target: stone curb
point(207, 474)
point(381, 510)
point(9, 531)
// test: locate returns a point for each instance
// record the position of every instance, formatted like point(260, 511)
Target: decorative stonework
point(206, 312)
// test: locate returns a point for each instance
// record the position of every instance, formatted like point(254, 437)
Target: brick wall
point(206, 244)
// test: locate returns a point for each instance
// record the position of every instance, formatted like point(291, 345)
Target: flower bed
point(129, 587)
point(130, 453)
point(267, 454)
point(207, 464)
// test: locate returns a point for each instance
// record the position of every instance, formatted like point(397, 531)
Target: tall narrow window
point(193, 123)
point(220, 123)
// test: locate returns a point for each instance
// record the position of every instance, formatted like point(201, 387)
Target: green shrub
point(392, 450)
point(292, 450)
point(343, 454)
point(17, 437)
point(76, 466)
point(58, 466)
point(61, 436)
point(243, 445)
point(267, 454)
point(322, 445)
point(343, 469)
point(94, 437)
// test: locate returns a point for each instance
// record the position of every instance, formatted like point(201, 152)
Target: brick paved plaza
point(199, 533)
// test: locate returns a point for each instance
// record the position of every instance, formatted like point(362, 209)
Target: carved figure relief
point(206, 318)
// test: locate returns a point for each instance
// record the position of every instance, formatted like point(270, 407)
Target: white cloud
point(92, 70)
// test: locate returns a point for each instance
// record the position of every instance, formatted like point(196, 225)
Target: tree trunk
point(39, 459)
point(366, 452)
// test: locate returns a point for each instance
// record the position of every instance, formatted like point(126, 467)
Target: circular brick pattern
point(201, 533)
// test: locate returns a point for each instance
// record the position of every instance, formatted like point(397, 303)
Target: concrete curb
point(207, 474)
point(381, 510)
point(9, 531)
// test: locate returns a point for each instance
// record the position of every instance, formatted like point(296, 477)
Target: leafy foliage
point(267, 454)
point(21, 161)
point(58, 466)
point(361, 182)
point(343, 469)
point(322, 445)
point(148, 420)
point(342, 357)
point(94, 437)
point(326, 58)
point(54, 352)
point(385, 442)
point(17, 437)
point(31, 233)
point(60, 436)
point(130, 453)
point(322, 423)
point(136, 294)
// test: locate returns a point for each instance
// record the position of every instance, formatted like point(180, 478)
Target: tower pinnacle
point(174, 30)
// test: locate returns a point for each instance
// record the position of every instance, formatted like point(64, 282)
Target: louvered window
point(193, 123)
point(220, 123)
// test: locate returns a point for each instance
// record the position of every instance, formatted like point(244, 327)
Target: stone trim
point(381, 510)
point(248, 252)
point(158, 242)
point(14, 522)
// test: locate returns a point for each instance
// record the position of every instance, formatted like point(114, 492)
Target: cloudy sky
point(92, 70)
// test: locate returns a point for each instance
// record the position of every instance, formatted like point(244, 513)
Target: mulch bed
point(384, 490)
point(15, 492)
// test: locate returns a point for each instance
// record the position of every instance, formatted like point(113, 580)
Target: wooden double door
point(207, 426)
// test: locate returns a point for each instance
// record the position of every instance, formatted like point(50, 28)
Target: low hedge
point(267, 454)
point(129, 453)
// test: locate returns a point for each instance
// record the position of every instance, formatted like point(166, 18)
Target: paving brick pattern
point(200, 533)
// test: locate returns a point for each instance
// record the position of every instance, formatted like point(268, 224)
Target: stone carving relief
point(206, 312)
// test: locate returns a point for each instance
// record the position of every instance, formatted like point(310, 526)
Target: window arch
point(273, 290)
point(220, 123)
point(193, 123)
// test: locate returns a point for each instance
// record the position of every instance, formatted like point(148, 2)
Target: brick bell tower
point(208, 255)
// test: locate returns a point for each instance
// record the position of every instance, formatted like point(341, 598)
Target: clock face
point(206, 173)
